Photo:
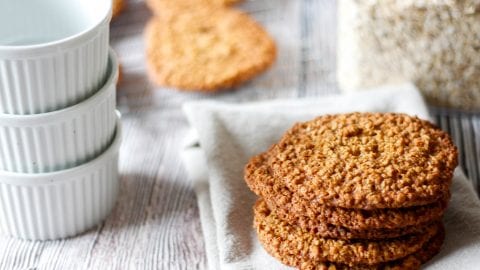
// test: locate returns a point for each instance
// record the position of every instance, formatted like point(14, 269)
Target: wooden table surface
point(155, 224)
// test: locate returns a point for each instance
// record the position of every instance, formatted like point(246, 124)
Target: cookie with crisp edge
point(207, 49)
point(285, 241)
point(117, 7)
point(326, 230)
point(172, 7)
point(410, 262)
point(293, 207)
point(366, 160)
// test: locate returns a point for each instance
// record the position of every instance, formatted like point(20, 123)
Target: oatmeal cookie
point(410, 262)
point(295, 247)
point(208, 49)
point(172, 7)
point(326, 230)
point(292, 207)
point(117, 7)
point(366, 161)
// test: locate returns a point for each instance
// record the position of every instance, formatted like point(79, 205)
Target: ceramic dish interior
point(33, 24)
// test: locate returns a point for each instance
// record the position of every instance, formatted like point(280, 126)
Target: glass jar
point(433, 43)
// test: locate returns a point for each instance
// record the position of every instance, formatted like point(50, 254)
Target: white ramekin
point(61, 139)
point(60, 204)
point(53, 53)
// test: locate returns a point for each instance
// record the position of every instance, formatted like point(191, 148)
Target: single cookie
point(411, 262)
point(120, 75)
point(285, 241)
point(117, 7)
point(366, 161)
point(326, 230)
point(293, 207)
point(172, 7)
point(207, 49)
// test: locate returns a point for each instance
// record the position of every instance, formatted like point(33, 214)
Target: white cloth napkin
point(225, 136)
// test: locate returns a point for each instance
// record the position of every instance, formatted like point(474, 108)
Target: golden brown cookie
point(207, 49)
point(117, 7)
point(326, 230)
point(120, 75)
point(293, 207)
point(296, 247)
point(172, 7)
point(411, 262)
point(366, 161)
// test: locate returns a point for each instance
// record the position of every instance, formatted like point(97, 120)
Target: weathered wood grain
point(155, 224)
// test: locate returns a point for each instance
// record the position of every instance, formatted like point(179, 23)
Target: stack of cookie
point(204, 45)
point(354, 191)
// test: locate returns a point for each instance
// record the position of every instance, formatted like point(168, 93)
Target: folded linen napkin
point(224, 136)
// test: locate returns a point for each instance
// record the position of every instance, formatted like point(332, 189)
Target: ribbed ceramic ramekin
point(62, 139)
point(53, 53)
point(60, 204)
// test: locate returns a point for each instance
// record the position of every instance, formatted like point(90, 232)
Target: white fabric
point(229, 134)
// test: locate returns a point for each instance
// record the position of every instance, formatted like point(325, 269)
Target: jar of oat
point(434, 43)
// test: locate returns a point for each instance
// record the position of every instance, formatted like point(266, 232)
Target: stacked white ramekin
point(59, 131)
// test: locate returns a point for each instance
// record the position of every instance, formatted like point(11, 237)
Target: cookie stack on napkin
point(354, 191)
